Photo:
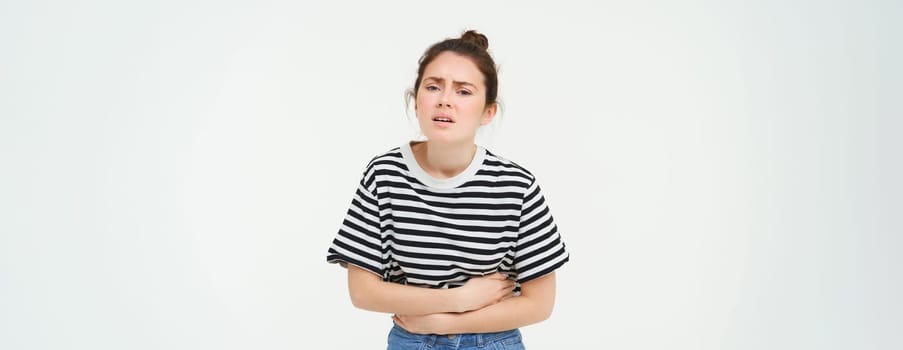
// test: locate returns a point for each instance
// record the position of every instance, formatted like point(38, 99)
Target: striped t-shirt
point(410, 228)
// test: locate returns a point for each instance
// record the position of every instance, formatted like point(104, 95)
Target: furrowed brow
point(454, 82)
point(459, 83)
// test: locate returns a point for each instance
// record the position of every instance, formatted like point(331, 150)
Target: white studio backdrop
point(726, 175)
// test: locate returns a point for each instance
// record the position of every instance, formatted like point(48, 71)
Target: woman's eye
point(431, 88)
point(464, 92)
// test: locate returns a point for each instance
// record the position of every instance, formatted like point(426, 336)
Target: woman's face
point(451, 100)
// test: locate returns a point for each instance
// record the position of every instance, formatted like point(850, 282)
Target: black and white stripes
point(408, 227)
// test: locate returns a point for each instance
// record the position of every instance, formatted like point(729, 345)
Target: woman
point(455, 241)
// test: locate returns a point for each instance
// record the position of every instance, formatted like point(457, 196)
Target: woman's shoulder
point(500, 163)
point(392, 154)
point(391, 159)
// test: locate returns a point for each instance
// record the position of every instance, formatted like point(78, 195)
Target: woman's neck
point(443, 161)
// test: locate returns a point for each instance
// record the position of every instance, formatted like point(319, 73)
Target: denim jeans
point(400, 339)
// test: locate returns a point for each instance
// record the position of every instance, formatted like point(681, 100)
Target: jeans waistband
point(464, 339)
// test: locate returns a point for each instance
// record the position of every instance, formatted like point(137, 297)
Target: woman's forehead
point(451, 67)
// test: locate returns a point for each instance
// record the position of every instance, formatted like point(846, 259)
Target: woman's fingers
point(506, 290)
point(509, 285)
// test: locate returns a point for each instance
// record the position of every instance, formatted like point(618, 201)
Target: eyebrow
point(455, 82)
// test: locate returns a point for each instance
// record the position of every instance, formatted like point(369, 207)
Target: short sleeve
point(539, 249)
point(359, 240)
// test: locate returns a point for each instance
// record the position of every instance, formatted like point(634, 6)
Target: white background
point(726, 174)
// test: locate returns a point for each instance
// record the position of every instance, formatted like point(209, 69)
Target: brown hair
point(472, 45)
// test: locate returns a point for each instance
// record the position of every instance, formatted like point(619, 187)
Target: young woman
point(454, 240)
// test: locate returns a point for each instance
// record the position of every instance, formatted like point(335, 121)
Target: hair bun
point(473, 37)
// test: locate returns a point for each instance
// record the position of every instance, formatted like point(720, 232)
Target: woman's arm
point(533, 305)
point(369, 292)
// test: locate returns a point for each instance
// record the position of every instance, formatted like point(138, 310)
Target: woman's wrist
point(457, 302)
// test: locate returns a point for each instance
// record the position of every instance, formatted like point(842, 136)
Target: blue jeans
point(400, 339)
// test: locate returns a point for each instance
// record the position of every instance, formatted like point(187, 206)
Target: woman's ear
point(488, 113)
point(411, 97)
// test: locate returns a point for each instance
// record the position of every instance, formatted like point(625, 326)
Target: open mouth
point(443, 120)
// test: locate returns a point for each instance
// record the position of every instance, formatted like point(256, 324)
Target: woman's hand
point(479, 292)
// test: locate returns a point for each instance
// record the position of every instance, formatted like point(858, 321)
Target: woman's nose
point(444, 100)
